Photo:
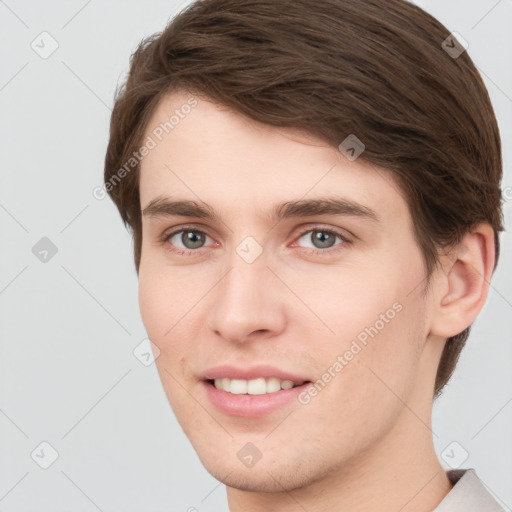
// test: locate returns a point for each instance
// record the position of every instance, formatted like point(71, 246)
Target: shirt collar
point(468, 494)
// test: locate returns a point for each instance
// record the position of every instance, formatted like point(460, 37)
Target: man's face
point(333, 300)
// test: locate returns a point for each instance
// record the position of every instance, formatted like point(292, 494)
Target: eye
point(323, 239)
point(186, 240)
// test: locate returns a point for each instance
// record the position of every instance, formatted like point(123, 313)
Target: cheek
point(346, 301)
point(165, 297)
point(169, 303)
point(362, 386)
point(379, 329)
point(162, 305)
point(163, 312)
point(152, 304)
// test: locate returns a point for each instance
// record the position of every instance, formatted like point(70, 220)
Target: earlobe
point(465, 284)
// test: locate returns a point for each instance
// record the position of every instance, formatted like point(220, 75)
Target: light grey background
point(69, 326)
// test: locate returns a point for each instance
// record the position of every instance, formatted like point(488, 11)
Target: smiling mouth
point(259, 386)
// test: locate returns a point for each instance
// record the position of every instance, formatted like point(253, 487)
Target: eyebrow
point(166, 207)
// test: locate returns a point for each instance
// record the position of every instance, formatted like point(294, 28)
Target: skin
point(365, 441)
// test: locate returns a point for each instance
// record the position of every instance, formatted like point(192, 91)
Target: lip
point(254, 372)
point(250, 406)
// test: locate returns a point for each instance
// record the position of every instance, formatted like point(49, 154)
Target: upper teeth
point(258, 386)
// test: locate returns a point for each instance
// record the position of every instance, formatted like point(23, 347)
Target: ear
point(464, 285)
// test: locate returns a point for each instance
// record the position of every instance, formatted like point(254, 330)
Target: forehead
point(205, 152)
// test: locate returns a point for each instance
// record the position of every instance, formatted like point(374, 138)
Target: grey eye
point(321, 239)
point(190, 239)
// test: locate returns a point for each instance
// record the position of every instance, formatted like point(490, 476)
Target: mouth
point(251, 391)
point(252, 398)
point(257, 386)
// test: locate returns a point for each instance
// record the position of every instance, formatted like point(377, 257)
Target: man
point(314, 194)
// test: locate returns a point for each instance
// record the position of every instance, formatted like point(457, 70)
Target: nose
point(248, 302)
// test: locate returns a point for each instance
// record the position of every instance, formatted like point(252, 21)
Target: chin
point(266, 475)
point(257, 480)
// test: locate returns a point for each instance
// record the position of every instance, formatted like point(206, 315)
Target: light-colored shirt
point(468, 494)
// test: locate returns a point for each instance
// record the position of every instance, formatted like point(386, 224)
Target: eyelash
point(322, 252)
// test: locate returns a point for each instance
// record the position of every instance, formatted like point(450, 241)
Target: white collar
point(468, 494)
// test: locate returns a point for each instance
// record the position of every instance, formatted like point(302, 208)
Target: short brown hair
point(374, 68)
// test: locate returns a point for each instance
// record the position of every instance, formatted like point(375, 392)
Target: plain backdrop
point(74, 396)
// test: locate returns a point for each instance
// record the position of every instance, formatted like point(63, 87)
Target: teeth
point(273, 385)
point(226, 384)
point(238, 387)
point(258, 386)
